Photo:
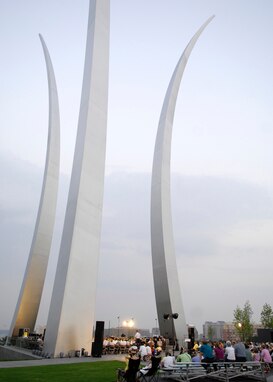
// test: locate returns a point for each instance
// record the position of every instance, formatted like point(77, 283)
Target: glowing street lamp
point(128, 324)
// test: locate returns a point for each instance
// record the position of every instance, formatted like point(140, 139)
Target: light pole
point(156, 327)
point(118, 326)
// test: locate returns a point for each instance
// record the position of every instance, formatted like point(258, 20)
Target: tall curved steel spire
point(31, 291)
point(72, 308)
point(166, 281)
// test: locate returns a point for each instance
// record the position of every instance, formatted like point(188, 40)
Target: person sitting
point(196, 357)
point(40, 342)
point(248, 353)
point(132, 366)
point(153, 366)
point(240, 351)
point(207, 353)
point(229, 352)
point(219, 353)
point(195, 346)
point(183, 356)
point(265, 354)
point(167, 361)
point(256, 355)
point(143, 351)
point(149, 351)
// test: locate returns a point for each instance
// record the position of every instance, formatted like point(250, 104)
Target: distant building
point(155, 332)
point(224, 330)
point(229, 332)
point(213, 330)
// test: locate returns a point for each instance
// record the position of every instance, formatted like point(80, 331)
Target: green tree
point(242, 322)
point(267, 316)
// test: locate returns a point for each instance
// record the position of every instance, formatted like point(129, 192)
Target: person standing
point(137, 337)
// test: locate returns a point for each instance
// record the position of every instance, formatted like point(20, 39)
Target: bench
point(219, 371)
point(248, 370)
point(185, 371)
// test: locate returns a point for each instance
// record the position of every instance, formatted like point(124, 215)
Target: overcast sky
point(222, 155)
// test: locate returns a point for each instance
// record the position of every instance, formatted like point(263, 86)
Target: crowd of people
point(234, 351)
point(205, 352)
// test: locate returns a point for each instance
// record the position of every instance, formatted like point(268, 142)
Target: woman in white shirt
point(229, 352)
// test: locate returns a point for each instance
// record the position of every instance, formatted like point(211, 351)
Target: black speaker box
point(21, 332)
point(191, 333)
point(97, 345)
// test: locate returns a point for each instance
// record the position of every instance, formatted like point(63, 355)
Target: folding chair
point(130, 374)
point(152, 374)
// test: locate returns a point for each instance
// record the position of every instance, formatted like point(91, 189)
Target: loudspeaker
point(21, 332)
point(97, 345)
point(191, 337)
point(191, 333)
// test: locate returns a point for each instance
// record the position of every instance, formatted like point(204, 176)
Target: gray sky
point(221, 151)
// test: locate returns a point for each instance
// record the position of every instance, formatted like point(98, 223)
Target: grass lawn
point(78, 372)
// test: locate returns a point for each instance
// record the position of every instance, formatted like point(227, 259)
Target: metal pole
point(173, 335)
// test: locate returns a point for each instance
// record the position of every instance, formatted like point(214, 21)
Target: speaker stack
point(97, 345)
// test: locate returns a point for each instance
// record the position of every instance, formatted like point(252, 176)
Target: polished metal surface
point(31, 291)
point(71, 314)
point(166, 281)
